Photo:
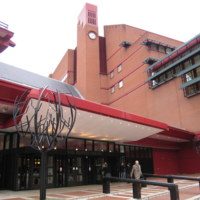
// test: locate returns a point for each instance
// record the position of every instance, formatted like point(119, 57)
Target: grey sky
point(45, 29)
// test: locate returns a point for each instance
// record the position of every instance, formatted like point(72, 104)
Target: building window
point(112, 89)
point(189, 76)
point(122, 149)
point(89, 145)
point(162, 78)
point(119, 68)
point(75, 144)
point(154, 83)
point(100, 146)
point(25, 140)
point(191, 90)
point(161, 49)
point(187, 63)
point(153, 47)
point(198, 71)
point(121, 84)
point(170, 74)
point(112, 74)
point(197, 58)
point(15, 140)
point(178, 68)
point(168, 50)
point(111, 147)
point(1, 141)
point(92, 17)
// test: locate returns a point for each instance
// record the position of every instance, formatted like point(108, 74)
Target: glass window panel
point(117, 147)
point(112, 89)
point(119, 68)
point(187, 63)
point(100, 146)
point(121, 84)
point(50, 179)
point(121, 148)
point(191, 89)
point(168, 50)
point(198, 86)
point(89, 144)
point(177, 69)
point(111, 147)
point(1, 142)
point(198, 71)
point(75, 144)
point(137, 153)
point(50, 161)
point(153, 47)
point(161, 49)
point(61, 143)
point(132, 151)
point(189, 76)
point(25, 140)
point(112, 74)
point(169, 74)
point(162, 78)
point(14, 143)
point(197, 58)
point(7, 144)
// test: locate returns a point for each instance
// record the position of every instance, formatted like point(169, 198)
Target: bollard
point(144, 184)
point(136, 190)
point(106, 186)
point(174, 194)
point(170, 180)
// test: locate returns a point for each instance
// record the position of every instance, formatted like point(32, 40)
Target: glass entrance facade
point(74, 162)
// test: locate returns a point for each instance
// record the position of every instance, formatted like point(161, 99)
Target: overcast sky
point(45, 29)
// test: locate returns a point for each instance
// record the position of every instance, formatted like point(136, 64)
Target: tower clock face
point(92, 35)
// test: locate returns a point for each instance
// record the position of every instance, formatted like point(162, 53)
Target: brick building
point(136, 96)
point(116, 70)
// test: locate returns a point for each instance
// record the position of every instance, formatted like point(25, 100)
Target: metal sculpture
point(46, 121)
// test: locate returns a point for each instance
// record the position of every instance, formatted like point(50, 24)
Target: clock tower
point(88, 61)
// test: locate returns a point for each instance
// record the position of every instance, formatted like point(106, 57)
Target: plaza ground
point(188, 190)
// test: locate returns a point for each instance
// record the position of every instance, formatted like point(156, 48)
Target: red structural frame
point(10, 90)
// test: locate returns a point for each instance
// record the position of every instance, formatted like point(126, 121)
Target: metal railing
point(170, 178)
point(3, 25)
point(136, 185)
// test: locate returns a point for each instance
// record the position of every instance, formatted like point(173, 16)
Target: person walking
point(106, 171)
point(122, 171)
point(128, 170)
point(136, 171)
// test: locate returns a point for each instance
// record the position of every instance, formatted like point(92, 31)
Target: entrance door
point(35, 180)
point(93, 170)
point(60, 172)
point(23, 174)
point(28, 172)
point(75, 171)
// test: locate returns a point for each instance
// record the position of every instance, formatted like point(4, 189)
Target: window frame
point(121, 84)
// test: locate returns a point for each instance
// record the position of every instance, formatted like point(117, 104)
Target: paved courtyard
point(188, 190)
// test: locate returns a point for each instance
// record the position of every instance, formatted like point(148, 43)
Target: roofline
point(143, 30)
